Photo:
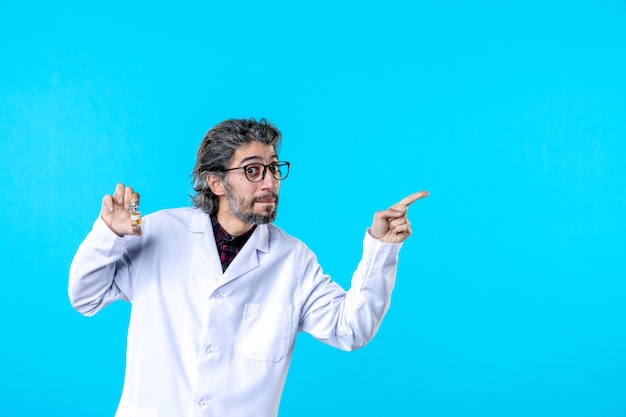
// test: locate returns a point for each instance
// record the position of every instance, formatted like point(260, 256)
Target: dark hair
point(217, 149)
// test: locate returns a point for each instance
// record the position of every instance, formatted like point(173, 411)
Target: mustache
point(265, 197)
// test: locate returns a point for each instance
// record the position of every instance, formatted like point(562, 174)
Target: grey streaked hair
point(218, 147)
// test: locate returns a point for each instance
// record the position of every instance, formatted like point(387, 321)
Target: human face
point(252, 202)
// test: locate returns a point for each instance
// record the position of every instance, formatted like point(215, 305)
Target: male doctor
point(218, 292)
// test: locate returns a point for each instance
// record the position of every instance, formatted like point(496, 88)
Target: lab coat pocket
point(131, 410)
point(266, 332)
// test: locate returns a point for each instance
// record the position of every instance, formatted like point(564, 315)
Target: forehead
point(254, 152)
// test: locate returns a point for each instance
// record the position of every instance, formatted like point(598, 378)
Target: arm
point(348, 320)
point(99, 269)
point(102, 266)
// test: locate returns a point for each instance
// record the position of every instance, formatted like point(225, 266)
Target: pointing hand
point(392, 225)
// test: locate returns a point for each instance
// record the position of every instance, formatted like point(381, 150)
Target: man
point(218, 292)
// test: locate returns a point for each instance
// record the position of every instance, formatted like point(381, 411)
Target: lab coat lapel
point(205, 260)
point(248, 258)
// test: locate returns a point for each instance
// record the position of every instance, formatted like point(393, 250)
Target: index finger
point(410, 199)
point(118, 195)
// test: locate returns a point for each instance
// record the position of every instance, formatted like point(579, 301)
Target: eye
point(273, 167)
point(252, 169)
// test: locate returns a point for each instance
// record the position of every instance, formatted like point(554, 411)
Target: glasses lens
point(254, 172)
point(280, 170)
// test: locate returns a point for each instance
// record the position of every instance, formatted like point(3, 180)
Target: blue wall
point(510, 294)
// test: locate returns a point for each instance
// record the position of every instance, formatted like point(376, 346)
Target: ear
point(216, 184)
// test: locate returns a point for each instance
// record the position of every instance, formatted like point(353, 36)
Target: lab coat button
point(219, 296)
point(203, 404)
point(210, 349)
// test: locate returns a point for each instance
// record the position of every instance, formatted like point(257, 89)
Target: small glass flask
point(135, 214)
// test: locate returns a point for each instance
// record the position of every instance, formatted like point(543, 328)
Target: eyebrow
point(256, 158)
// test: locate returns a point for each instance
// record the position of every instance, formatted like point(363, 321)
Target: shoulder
point(183, 217)
point(278, 237)
point(173, 213)
point(276, 233)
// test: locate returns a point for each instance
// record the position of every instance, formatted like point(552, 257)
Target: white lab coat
point(206, 343)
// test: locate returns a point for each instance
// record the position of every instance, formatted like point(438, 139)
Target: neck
point(233, 225)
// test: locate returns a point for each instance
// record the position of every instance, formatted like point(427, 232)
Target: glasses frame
point(265, 167)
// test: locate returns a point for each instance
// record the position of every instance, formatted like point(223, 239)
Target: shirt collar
point(221, 236)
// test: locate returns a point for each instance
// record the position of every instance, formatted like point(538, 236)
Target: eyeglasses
point(256, 172)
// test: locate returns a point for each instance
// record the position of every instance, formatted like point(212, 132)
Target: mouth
point(267, 199)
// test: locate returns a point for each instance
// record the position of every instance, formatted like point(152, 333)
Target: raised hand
point(392, 225)
point(115, 211)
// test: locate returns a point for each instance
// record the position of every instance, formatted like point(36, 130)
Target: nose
point(269, 182)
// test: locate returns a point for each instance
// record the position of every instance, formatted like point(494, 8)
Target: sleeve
point(101, 270)
point(349, 319)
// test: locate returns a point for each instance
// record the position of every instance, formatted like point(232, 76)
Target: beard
point(244, 209)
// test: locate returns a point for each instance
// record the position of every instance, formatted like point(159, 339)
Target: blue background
point(510, 293)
